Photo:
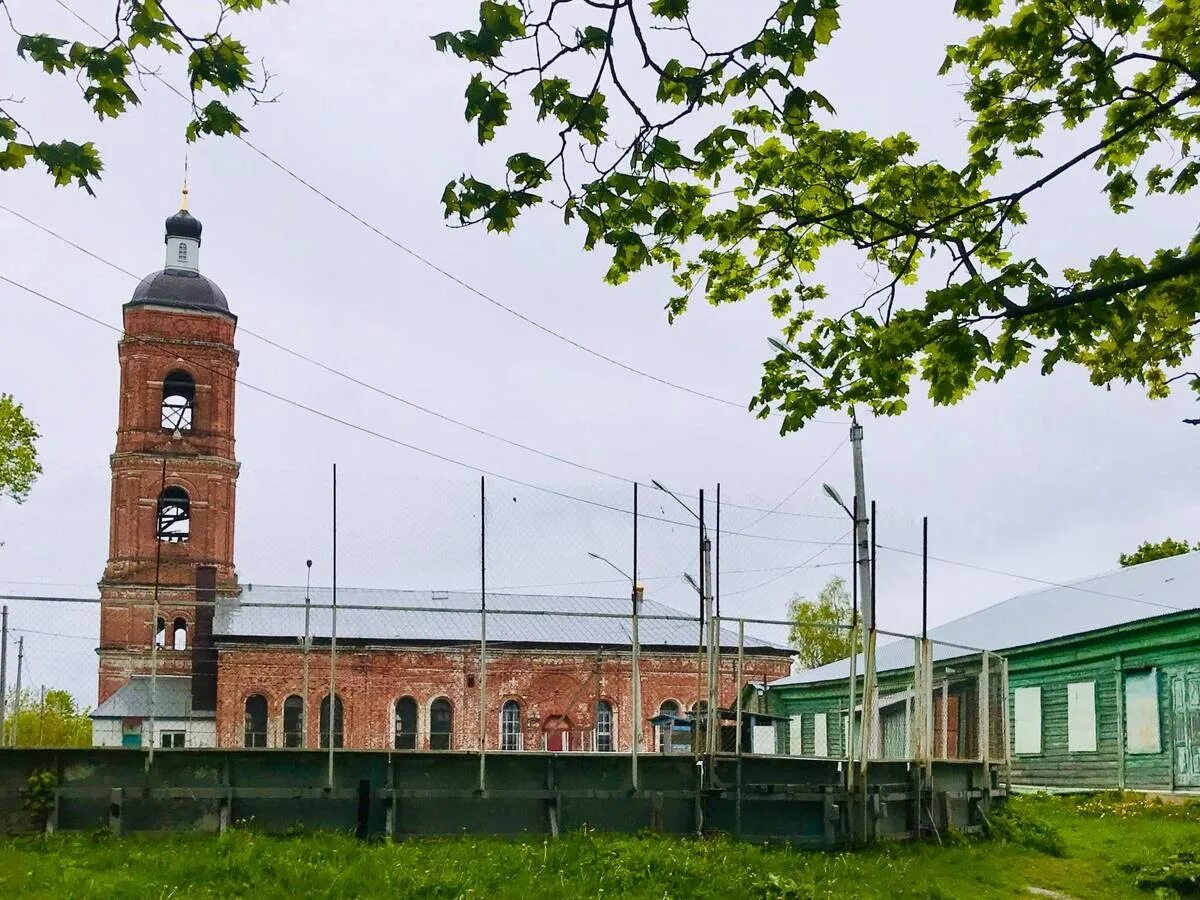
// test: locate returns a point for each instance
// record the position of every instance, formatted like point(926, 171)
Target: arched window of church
point(178, 401)
point(256, 721)
point(160, 632)
point(174, 515)
point(441, 724)
point(337, 722)
point(604, 727)
point(511, 737)
point(179, 634)
point(406, 724)
point(293, 721)
point(182, 252)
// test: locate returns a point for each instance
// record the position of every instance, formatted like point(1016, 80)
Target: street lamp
point(837, 498)
point(658, 484)
point(782, 347)
point(610, 564)
point(692, 581)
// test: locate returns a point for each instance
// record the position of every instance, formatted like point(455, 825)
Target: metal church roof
point(180, 288)
point(1132, 594)
point(172, 700)
point(273, 613)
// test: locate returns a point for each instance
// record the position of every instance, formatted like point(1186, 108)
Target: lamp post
point(832, 493)
point(635, 669)
point(706, 615)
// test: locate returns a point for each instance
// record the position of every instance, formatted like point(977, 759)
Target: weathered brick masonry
point(179, 331)
point(548, 684)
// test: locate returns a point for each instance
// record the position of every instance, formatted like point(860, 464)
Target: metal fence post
point(304, 706)
point(737, 826)
point(636, 713)
point(985, 744)
point(482, 634)
point(3, 674)
point(158, 534)
point(333, 705)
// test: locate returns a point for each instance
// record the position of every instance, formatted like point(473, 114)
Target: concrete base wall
point(799, 801)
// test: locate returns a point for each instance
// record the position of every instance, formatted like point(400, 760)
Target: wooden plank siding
point(1169, 645)
point(1055, 764)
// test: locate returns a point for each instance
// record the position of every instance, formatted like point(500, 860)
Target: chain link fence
point(520, 628)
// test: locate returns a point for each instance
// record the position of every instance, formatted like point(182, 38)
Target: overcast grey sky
point(1045, 477)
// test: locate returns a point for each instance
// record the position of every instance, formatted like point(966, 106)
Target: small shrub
point(38, 796)
point(1177, 874)
point(1016, 826)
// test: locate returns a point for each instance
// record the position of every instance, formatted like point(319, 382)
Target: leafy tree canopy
point(714, 154)
point(1149, 550)
point(107, 68)
point(717, 156)
point(814, 633)
point(55, 721)
point(19, 467)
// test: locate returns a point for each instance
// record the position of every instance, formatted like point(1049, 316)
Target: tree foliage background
point(715, 155)
point(818, 631)
point(1150, 550)
point(107, 67)
point(56, 721)
point(19, 467)
point(671, 140)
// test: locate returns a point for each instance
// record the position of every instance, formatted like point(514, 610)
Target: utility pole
point(861, 537)
point(867, 586)
point(3, 672)
point(17, 702)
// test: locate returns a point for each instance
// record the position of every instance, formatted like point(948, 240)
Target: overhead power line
point(384, 392)
point(172, 352)
point(445, 273)
point(1030, 578)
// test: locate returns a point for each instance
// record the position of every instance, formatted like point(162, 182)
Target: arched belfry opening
point(178, 401)
point(174, 515)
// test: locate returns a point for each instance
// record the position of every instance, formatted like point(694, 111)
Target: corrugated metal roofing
point(367, 614)
point(1127, 595)
point(172, 700)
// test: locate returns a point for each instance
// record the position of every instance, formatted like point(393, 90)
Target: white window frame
point(1027, 720)
point(520, 732)
point(611, 731)
point(1145, 704)
point(1081, 717)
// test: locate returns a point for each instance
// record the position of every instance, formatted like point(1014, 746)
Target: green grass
point(1094, 847)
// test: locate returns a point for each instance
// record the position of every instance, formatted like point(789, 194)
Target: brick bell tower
point(174, 473)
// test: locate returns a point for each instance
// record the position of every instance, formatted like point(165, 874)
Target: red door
point(556, 731)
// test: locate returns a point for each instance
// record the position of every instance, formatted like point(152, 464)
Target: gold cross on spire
point(183, 201)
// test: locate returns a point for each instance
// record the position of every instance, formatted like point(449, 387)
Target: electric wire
point(420, 407)
point(372, 432)
point(439, 269)
point(1030, 578)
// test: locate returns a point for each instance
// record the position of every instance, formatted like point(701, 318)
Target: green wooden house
point(1101, 680)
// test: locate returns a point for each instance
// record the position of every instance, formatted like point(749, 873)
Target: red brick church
point(249, 665)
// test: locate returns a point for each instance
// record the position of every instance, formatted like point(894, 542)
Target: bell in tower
point(174, 478)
